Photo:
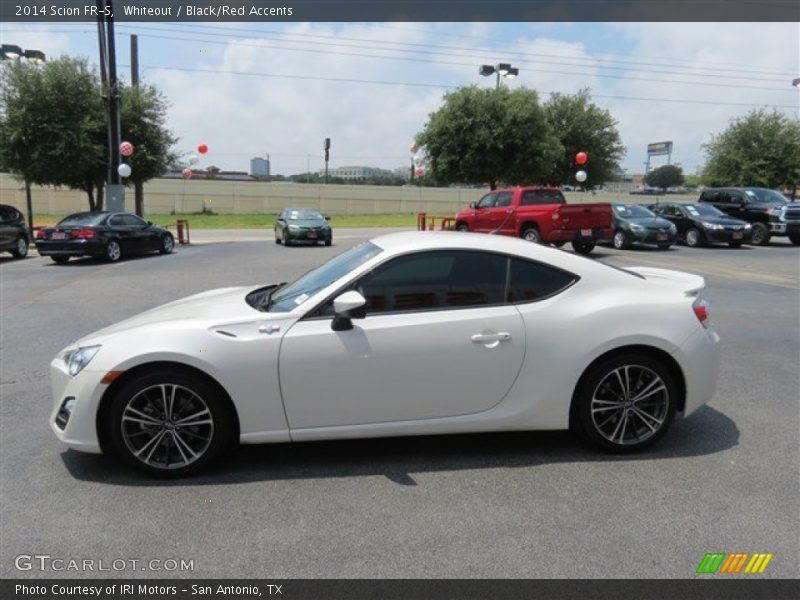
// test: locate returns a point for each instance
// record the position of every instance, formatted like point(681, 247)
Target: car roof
point(524, 188)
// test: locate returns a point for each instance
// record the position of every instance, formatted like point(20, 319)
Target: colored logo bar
point(734, 562)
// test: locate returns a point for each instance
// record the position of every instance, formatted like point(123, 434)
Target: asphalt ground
point(525, 505)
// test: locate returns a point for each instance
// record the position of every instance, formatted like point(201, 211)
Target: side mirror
point(149, 223)
point(348, 306)
point(473, 205)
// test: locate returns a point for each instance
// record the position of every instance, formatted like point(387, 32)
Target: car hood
point(721, 220)
point(307, 222)
point(650, 222)
point(224, 305)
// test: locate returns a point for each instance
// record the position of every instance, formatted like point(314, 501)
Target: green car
point(296, 225)
point(635, 224)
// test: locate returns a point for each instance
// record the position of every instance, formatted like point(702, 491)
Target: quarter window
point(530, 281)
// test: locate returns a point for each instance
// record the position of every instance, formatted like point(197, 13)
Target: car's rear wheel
point(462, 227)
point(167, 244)
point(60, 260)
point(620, 240)
point(625, 403)
point(169, 423)
point(694, 238)
point(531, 234)
point(20, 248)
point(760, 235)
point(113, 251)
point(583, 247)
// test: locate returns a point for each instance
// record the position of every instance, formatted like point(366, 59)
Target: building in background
point(358, 173)
point(260, 167)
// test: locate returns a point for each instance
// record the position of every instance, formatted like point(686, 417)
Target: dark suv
point(13, 232)
point(769, 212)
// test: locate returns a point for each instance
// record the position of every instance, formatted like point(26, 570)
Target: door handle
point(486, 338)
point(269, 329)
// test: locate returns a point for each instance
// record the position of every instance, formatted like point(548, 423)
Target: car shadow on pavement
point(708, 431)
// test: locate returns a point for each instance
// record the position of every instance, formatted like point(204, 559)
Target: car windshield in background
point(765, 196)
point(294, 294)
point(632, 211)
point(303, 215)
point(83, 219)
point(703, 210)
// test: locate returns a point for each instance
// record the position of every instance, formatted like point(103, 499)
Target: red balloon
point(581, 158)
point(419, 171)
point(126, 148)
point(202, 148)
point(186, 173)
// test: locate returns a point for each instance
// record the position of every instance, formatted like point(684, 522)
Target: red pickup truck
point(539, 214)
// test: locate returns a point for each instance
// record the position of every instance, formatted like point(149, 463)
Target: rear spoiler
point(688, 283)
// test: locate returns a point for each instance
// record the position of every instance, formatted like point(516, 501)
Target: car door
point(499, 215)
point(437, 341)
point(145, 237)
point(7, 230)
point(124, 233)
point(482, 221)
point(736, 205)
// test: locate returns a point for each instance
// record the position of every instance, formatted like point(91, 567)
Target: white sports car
point(408, 334)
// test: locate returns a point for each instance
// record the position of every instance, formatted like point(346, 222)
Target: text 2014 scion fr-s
point(409, 334)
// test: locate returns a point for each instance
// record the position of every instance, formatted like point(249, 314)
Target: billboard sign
point(659, 148)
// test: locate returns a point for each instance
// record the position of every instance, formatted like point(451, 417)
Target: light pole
point(37, 57)
point(796, 82)
point(502, 70)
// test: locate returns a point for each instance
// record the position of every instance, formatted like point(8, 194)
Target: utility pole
point(327, 147)
point(138, 186)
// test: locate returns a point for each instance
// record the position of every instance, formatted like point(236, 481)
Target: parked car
point(636, 224)
point(413, 333)
point(769, 212)
point(702, 224)
point(13, 232)
point(110, 235)
point(539, 214)
point(302, 225)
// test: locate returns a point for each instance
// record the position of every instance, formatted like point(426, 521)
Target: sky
point(252, 89)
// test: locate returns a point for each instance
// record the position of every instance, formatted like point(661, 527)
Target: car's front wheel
point(625, 403)
point(620, 240)
point(20, 248)
point(761, 235)
point(531, 234)
point(167, 244)
point(694, 238)
point(169, 423)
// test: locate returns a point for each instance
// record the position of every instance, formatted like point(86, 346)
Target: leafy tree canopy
point(665, 177)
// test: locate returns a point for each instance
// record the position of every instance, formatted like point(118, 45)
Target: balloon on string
point(580, 176)
point(194, 159)
point(414, 148)
point(124, 170)
point(419, 171)
point(202, 148)
point(581, 158)
point(186, 173)
point(126, 148)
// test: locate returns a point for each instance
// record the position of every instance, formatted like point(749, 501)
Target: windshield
point(765, 196)
point(83, 219)
point(632, 211)
point(703, 210)
point(294, 294)
point(303, 214)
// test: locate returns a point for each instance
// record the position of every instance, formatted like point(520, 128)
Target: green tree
point(582, 126)
point(489, 136)
point(759, 149)
point(665, 177)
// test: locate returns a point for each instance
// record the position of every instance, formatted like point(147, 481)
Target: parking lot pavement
point(499, 505)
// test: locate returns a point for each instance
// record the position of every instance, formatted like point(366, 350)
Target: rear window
point(532, 197)
point(84, 219)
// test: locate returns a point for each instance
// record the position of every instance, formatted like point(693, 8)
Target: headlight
point(712, 225)
point(672, 228)
point(635, 227)
point(775, 212)
point(747, 226)
point(77, 359)
point(294, 227)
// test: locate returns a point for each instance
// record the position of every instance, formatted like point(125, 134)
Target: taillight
point(700, 308)
point(83, 233)
point(41, 234)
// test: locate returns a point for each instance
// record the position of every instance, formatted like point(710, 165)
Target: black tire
point(20, 247)
point(594, 416)
point(329, 241)
point(113, 251)
point(664, 246)
point(795, 238)
point(462, 227)
point(167, 244)
point(694, 238)
point(621, 240)
point(277, 238)
point(207, 440)
point(531, 234)
point(583, 248)
point(559, 244)
point(760, 235)
point(60, 260)
point(735, 244)
point(286, 241)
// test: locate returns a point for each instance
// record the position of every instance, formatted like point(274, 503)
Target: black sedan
point(302, 225)
point(702, 224)
point(13, 232)
point(107, 235)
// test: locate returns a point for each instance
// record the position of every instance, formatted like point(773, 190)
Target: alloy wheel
point(167, 426)
point(22, 247)
point(630, 405)
point(692, 238)
point(168, 244)
point(113, 251)
point(619, 240)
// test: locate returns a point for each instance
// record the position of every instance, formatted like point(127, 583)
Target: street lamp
point(796, 82)
point(35, 56)
point(502, 69)
point(14, 52)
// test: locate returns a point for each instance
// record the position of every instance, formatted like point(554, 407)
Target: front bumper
point(312, 235)
point(699, 359)
point(784, 227)
point(727, 236)
point(84, 247)
point(652, 236)
point(80, 432)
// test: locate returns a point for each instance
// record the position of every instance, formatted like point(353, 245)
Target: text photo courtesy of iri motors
point(392, 299)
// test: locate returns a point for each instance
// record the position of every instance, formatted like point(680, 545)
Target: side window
point(709, 196)
point(487, 201)
point(532, 197)
point(530, 281)
point(6, 214)
point(504, 198)
point(116, 221)
point(133, 221)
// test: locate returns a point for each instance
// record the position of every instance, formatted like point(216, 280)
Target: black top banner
point(405, 10)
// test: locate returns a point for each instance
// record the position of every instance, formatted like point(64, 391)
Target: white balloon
point(124, 170)
point(580, 176)
point(194, 159)
point(418, 161)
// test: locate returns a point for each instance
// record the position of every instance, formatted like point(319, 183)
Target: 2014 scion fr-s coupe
point(408, 334)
